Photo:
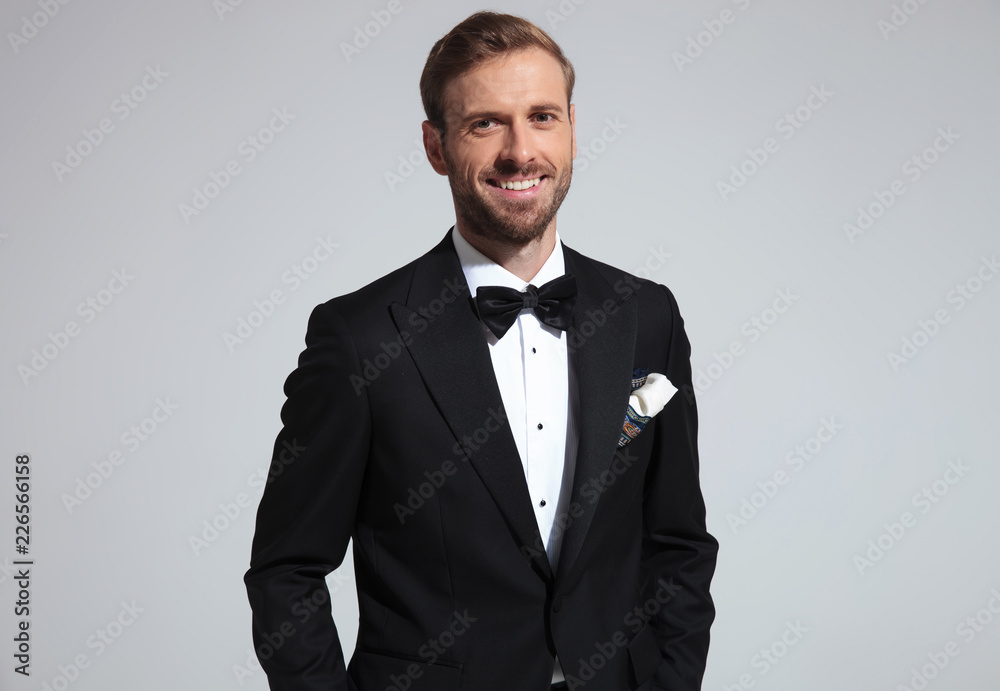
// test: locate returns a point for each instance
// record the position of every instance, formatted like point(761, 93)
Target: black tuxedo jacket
point(395, 435)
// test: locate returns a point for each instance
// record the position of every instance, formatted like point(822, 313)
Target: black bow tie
point(498, 306)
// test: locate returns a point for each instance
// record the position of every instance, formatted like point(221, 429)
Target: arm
point(306, 514)
point(677, 548)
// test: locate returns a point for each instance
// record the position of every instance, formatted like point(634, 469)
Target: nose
point(518, 146)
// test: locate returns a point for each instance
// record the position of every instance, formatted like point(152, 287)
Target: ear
point(572, 127)
point(434, 147)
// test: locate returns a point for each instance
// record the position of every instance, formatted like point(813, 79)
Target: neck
point(524, 261)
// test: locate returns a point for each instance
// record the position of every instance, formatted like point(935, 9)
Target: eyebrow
point(487, 114)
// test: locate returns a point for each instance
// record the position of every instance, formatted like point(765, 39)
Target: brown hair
point(481, 37)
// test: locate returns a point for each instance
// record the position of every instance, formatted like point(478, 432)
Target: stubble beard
point(507, 221)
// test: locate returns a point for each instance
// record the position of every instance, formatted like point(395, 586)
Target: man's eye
point(546, 117)
point(480, 125)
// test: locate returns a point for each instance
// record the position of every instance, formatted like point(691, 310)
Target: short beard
point(513, 227)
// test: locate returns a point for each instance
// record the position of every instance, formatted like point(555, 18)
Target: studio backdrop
point(182, 182)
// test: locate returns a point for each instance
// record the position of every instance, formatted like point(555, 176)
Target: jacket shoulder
point(654, 297)
point(394, 286)
point(391, 287)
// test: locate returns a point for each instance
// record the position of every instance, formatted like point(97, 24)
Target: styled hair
point(481, 37)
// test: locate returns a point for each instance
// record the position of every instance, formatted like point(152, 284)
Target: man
point(493, 425)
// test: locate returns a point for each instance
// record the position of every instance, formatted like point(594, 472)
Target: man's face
point(507, 126)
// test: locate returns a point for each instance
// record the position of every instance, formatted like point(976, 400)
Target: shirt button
point(539, 425)
point(541, 503)
point(533, 350)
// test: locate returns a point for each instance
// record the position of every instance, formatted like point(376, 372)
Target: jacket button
point(557, 604)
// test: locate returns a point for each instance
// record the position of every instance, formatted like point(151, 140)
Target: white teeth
point(518, 184)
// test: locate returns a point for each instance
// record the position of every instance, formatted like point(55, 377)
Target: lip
point(518, 194)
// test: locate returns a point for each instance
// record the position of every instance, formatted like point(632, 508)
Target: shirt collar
point(480, 270)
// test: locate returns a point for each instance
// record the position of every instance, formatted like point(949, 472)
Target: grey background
point(647, 188)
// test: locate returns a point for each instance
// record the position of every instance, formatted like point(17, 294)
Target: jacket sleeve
point(306, 514)
point(679, 554)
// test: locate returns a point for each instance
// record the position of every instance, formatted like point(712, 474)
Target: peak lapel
point(447, 344)
point(602, 355)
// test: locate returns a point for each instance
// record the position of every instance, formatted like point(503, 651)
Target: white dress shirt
point(531, 363)
point(539, 393)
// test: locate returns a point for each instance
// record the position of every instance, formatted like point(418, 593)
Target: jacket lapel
point(602, 356)
point(447, 344)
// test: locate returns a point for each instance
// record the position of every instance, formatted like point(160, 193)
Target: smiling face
point(508, 148)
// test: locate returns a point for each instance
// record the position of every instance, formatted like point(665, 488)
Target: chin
point(508, 231)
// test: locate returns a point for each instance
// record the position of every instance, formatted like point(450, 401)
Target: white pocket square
point(650, 398)
point(650, 393)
